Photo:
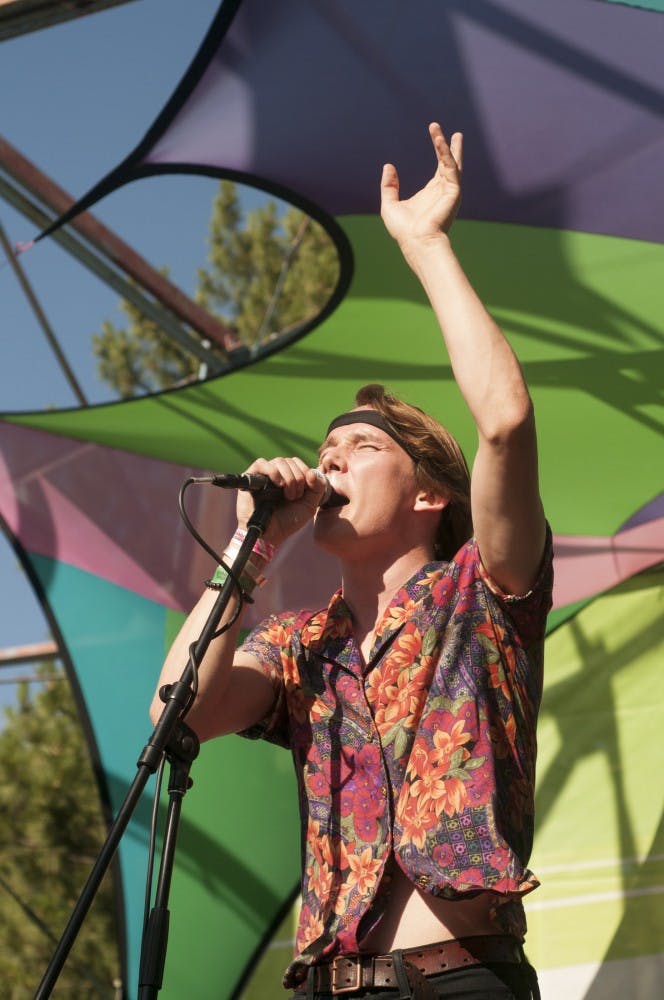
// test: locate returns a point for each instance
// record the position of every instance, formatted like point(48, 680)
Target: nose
point(333, 460)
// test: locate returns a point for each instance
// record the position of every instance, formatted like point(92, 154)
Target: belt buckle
point(356, 963)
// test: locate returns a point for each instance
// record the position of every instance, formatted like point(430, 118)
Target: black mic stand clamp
point(173, 739)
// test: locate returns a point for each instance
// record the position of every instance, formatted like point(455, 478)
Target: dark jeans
point(504, 981)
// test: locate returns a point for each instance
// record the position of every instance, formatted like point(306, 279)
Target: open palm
point(431, 210)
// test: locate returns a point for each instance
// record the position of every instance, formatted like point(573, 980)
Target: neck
point(370, 585)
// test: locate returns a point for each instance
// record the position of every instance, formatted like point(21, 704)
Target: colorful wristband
point(261, 548)
point(252, 574)
point(219, 577)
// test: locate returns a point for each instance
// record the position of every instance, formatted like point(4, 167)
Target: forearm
point(485, 367)
point(214, 671)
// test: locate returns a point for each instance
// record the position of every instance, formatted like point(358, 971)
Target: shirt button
point(422, 881)
point(383, 792)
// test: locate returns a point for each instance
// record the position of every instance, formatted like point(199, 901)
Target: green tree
point(51, 829)
point(139, 357)
point(267, 273)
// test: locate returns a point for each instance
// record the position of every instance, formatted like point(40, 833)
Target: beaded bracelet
point(219, 577)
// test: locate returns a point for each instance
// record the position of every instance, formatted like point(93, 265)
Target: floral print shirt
point(425, 754)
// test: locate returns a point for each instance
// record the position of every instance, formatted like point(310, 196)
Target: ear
point(428, 500)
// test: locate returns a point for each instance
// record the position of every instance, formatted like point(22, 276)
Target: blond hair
point(440, 465)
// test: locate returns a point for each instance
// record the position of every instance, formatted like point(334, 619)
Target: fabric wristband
point(250, 570)
point(261, 548)
point(251, 576)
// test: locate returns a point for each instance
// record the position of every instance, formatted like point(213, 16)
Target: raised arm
point(507, 512)
point(233, 693)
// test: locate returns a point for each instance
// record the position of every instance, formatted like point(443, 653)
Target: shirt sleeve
point(527, 611)
point(270, 643)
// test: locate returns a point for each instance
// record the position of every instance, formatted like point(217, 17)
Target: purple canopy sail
point(561, 105)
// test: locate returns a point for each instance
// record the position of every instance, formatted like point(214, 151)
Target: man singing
point(410, 702)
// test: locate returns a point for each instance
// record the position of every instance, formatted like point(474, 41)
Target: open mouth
point(334, 500)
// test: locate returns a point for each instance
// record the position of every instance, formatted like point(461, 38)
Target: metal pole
point(40, 315)
point(154, 310)
point(106, 242)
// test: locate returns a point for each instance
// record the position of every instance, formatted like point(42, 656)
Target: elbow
point(511, 420)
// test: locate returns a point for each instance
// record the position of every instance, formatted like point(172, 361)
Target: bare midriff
point(413, 918)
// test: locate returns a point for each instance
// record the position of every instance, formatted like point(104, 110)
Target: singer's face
point(376, 475)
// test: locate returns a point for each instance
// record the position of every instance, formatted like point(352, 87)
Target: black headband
point(370, 417)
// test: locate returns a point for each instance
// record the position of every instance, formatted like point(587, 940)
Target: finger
point(287, 473)
point(291, 473)
point(447, 165)
point(389, 184)
point(456, 148)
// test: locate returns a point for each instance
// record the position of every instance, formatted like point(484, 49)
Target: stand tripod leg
point(155, 937)
point(87, 896)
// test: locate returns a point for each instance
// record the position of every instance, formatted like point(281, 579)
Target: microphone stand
point(172, 738)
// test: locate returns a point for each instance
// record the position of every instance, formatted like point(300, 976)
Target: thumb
point(389, 184)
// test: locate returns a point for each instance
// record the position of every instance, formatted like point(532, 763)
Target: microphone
point(256, 482)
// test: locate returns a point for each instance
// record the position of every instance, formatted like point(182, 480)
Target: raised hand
point(430, 211)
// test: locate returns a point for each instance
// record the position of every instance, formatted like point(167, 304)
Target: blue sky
point(76, 99)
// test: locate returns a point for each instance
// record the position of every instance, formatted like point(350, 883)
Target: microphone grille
point(327, 493)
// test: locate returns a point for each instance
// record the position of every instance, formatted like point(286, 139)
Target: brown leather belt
point(351, 973)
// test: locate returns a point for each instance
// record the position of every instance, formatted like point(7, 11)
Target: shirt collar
point(329, 632)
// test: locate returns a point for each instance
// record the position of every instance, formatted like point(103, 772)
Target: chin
point(333, 534)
